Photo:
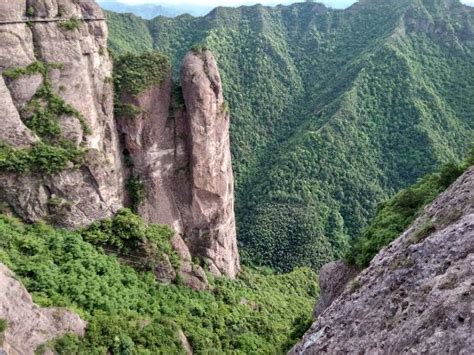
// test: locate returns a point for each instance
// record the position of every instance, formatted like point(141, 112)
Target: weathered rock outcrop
point(333, 278)
point(69, 38)
point(149, 138)
point(28, 325)
point(210, 230)
point(417, 295)
point(66, 156)
point(181, 155)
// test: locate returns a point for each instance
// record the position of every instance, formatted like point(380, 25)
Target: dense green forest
point(129, 312)
point(332, 110)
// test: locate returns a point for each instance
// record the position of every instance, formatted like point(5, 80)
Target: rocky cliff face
point(55, 92)
point(416, 296)
point(28, 325)
point(333, 278)
point(210, 228)
point(181, 155)
point(64, 158)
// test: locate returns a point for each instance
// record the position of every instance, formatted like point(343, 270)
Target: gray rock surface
point(333, 279)
point(151, 142)
point(184, 342)
point(164, 271)
point(95, 190)
point(193, 276)
point(190, 274)
point(13, 130)
point(417, 295)
point(28, 325)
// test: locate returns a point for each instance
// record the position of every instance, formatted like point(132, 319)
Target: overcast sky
point(333, 3)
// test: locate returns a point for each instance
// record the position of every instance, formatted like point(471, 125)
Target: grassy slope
point(332, 111)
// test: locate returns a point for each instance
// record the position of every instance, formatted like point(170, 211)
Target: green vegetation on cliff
point(3, 325)
point(332, 110)
point(394, 216)
point(129, 312)
point(135, 74)
point(40, 158)
point(42, 116)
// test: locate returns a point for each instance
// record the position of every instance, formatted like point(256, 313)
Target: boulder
point(333, 279)
point(29, 325)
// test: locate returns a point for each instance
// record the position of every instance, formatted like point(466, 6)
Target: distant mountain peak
point(150, 11)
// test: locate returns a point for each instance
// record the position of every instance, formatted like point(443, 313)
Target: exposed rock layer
point(28, 325)
point(82, 80)
point(417, 295)
point(333, 278)
point(182, 157)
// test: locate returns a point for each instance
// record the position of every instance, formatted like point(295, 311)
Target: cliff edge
point(59, 156)
point(417, 295)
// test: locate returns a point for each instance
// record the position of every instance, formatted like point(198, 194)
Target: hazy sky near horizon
point(211, 3)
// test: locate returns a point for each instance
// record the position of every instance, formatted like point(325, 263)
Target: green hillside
point(395, 215)
point(332, 110)
point(129, 312)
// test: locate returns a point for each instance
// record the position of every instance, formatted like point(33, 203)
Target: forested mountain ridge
point(71, 162)
point(332, 110)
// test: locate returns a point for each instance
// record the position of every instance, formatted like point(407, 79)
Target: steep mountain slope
point(417, 294)
point(332, 109)
point(396, 214)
